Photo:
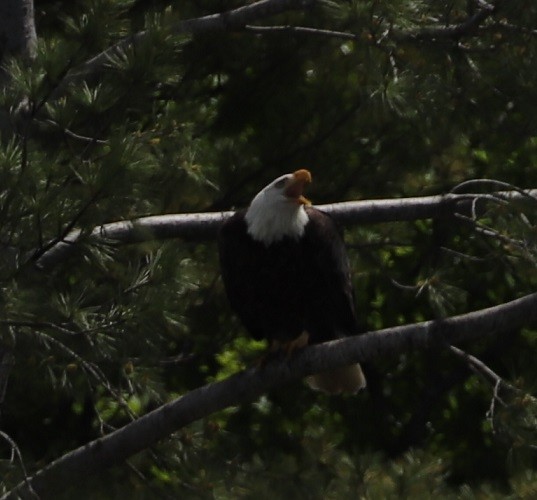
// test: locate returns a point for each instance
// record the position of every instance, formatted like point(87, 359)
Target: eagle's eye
point(281, 183)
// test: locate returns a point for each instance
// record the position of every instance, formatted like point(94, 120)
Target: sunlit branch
point(204, 226)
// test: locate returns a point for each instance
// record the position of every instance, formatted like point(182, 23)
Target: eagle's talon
point(296, 344)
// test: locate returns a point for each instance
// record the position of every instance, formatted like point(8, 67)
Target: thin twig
point(300, 30)
point(16, 451)
point(406, 288)
point(47, 325)
point(90, 368)
point(38, 325)
point(492, 407)
point(451, 32)
point(67, 229)
point(462, 255)
point(478, 367)
point(73, 135)
point(490, 232)
point(526, 193)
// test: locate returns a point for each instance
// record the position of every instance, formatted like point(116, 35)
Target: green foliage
point(177, 124)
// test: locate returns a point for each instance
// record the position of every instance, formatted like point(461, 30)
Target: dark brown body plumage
point(294, 285)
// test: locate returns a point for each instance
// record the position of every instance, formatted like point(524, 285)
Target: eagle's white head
point(278, 209)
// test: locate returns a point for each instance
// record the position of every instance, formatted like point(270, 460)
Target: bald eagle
point(287, 275)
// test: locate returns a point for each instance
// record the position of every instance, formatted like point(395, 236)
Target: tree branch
point(453, 31)
point(231, 19)
point(241, 17)
point(203, 226)
point(424, 33)
point(246, 386)
point(301, 30)
point(481, 369)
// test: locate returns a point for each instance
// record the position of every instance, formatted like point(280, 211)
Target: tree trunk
point(17, 28)
point(17, 38)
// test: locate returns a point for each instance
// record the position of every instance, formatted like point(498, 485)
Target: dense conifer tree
point(111, 110)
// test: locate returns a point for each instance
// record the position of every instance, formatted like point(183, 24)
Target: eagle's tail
point(346, 379)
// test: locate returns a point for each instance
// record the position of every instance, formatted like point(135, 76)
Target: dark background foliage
point(182, 123)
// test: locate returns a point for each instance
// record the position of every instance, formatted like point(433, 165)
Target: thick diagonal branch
point(248, 385)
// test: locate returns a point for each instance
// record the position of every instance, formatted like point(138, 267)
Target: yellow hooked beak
point(296, 184)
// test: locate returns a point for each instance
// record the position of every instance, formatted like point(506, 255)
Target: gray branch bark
point(204, 226)
point(248, 385)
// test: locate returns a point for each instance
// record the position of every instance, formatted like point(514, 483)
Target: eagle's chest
point(280, 271)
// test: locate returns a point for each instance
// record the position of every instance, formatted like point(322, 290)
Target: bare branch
point(203, 226)
point(496, 184)
point(502, 391)
point(490, 232)
point(300, 30)
point(73, 135)
point(248, 385)
point(481, 369)
point(68, 229)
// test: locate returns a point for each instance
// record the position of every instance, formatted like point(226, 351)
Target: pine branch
point(455, 31)
point(481, 369)
point(242, 17)
point(468, 27)
point(248, 385)
point(229, 20)
point(203, 226)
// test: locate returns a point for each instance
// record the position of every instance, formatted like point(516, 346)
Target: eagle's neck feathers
point(271, 222)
